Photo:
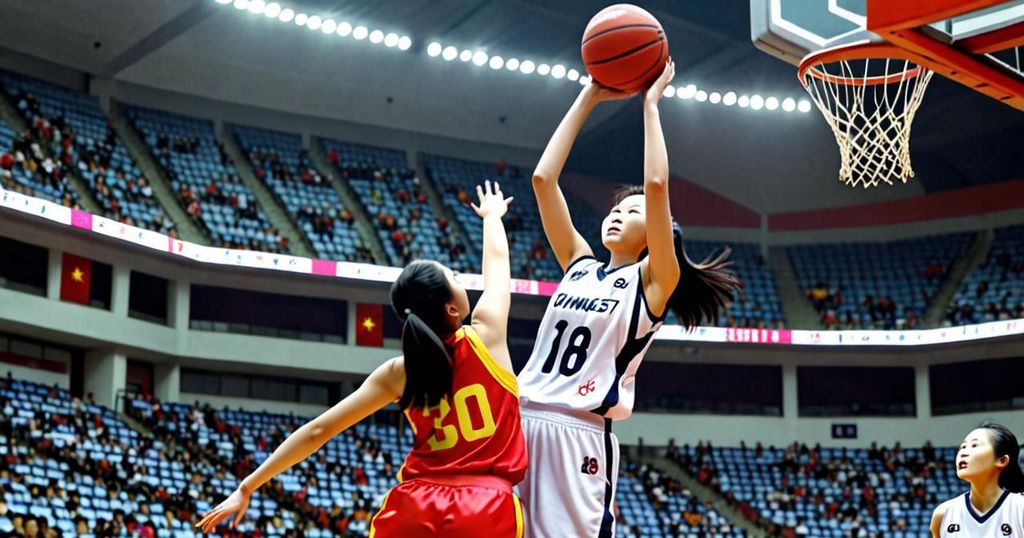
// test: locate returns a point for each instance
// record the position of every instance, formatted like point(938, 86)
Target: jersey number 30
point(447, 435)
point(575, 354)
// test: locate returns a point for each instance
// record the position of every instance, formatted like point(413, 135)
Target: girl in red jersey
point(456, 385)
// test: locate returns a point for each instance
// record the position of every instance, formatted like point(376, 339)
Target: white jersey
point(595, 331)
point(1004, 520)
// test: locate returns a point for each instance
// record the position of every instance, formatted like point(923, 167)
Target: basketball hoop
point(868, 93)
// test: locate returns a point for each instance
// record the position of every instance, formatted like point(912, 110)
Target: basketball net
point(870, 104)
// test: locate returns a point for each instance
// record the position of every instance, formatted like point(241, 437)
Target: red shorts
point(450, 506)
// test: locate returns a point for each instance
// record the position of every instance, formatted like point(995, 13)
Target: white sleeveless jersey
point(595, 331)
point(1004, 520)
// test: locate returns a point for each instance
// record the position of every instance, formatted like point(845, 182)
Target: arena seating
point(456, 181)
point(995, 290)
point(400, 211)
point(206, 181)
point(280, 161)
point(757, 304)
point(85, 142)
point(23, 172)
point(829, 492)
point(876, 285)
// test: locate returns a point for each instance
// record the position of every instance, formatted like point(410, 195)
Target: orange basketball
point(624, 48)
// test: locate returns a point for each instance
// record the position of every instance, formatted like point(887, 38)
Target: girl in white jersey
point(598, 325)
point(994, 507)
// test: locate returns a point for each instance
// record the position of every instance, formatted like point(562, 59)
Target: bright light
point(273, 10)
point(344, 28)
point(329, 26)
point(558, 71)
point(391, 40)
point(573, 75)
point(702, 95)
point(715, 98)
point(241, 4)
point(771, 103)
point(479, 58)
point(286, 15)
point(223, 1)
point(729, 99)
point(466, 55)
point(257, 6)
point(687, 92)
point(497, 62)
point(804, 106)
point(512, 64)
point(404, 42)
point(360, 32)
point(376, 36)
point(743, 101)
point(450, 53)
point(527, 67)
point(301, 18)
point(314, 22)
point(670, 91)
point(434, 49)
point(789, 104)
point(584, 80)
point(756, 102)
point(543, 69)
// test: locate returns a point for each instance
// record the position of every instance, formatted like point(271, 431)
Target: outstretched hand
point(657, 89)
point(599, 93)
point(235, 505)
point(492, 201)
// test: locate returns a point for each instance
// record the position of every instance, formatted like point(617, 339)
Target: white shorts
point(570, 482)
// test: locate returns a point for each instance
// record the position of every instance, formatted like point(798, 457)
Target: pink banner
point(81, 219)
point(325, 267)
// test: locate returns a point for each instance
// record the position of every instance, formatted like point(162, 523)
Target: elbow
point(316, 435)
point(656, 184)
point(540, 180)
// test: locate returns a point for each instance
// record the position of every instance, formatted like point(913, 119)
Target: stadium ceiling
point(761, 159)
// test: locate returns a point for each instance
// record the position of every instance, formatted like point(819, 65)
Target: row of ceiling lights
point(480, 58)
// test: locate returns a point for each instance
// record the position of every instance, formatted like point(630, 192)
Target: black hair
point(418, 296)
point(704, 288)
point(1004, 443)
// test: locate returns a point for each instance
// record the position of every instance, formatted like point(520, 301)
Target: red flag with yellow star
point(369, 325)
point(75, 279)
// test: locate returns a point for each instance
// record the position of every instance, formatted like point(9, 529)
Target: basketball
point(624, 47)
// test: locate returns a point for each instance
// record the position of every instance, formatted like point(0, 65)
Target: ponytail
point(704, 288)
point(418, 296)
point(1004, 443)
point(428, 366)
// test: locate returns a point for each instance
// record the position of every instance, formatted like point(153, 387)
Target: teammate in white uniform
point(994, 507)
point(598, 325)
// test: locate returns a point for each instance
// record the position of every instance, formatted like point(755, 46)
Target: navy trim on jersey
point(604, 271)
point(633, 347)
point(577, 260)
point(647, 305)
point(608, 519)
point(990, 513)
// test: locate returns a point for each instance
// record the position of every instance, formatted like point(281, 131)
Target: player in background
point(599, 324)
point(456, 386)
point(989, 460)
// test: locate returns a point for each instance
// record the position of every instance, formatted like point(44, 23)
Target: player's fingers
point(509, 200)
point(480, 193)
point(475, 208)
point(239, 516)
point(497, 188)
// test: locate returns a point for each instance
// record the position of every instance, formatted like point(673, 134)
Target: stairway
point(961, 268)
point(298, 243)
point(441, 209)
point(796, 308)
point(702, 492)
point(364, 226)
point(187, 228)
point(10, 115)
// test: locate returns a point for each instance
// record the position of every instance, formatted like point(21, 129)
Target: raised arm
point(566, 242)
point(382, 387)
point(490, 317)
point(661, 267)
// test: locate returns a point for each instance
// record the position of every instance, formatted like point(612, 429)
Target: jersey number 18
point(575, 354)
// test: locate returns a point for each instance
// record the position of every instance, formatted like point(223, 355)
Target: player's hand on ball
point(492, 201)
point(657, 89)
point(235, 505)
point(599, 93)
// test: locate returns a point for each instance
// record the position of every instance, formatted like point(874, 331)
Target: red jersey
point(474, 431)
